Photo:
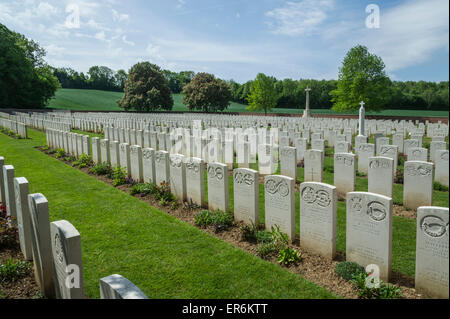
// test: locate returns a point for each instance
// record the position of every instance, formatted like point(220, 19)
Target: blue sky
point(237, 39)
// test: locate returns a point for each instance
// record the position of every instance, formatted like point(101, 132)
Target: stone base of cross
point(306, 113)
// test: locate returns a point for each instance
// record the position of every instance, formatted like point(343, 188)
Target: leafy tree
point(120, 77)
point(102, 78)
point(146, 89)
point(26, 81)
point(361, 78)
point(263, 95)
point(206, 93)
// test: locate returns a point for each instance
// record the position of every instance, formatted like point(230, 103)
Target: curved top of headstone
point(118, 287)
point(66, 228)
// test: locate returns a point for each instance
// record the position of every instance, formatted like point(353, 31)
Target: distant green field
point(93, 100)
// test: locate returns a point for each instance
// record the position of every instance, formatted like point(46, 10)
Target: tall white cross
point(362, 114)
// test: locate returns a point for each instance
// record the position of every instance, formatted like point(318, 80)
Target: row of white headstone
point(54, 247)
point(17, 127)
point(369, 214)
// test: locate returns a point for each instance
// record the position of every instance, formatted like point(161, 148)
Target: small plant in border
point(347, 269)
point(383, 291)
point(60, 153)
point(118, 175)
point(101, 169)
point(83, 161)
point(289, 256)
point(12, 270)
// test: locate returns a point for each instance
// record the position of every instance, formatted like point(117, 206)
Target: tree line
point(27, 81)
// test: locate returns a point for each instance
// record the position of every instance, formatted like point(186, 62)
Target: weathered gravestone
point(280, 203)
point(125, 158)
point(390, 151)
point(418, 184)
point(148, 165)
point(365, 151)
point(417, 154)
point(162, 169)
point(21, 189)
point(66, 248)
point(118, 287)
point(344, 172)
point(42, 250)
point(381, 176)
point(434, 146)
point(104, 151)
point(288, 162)
point(218, 196)
point(96, 152)
point(342, 147)
point(195, 185)
point(369, 231)
point(10, 198)
point(177, 176)
point(441, 162)
point(313, 166)
point(318, 211)
point(246, 195)
point(2, 183)
point(432, 267)
point(136, 163)
point(114, 153)
point(397, 139)
point(407, 144)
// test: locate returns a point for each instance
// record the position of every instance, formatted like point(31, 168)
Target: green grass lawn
point(94, 100)
point(164, 257)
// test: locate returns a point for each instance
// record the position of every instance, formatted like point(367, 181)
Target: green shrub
point(347, 269)
point(164, 194)
point(60, 152)
point(248, 232)
point(13, 270)
point(101, 169)
point(70, 158)
point(264, 236)
point(281, 239)
point(439, 187)
point(384, 291)
point(118, 175)
point(222, 220)
point(399, 175)
point(266, 250)
point(143, 189)
point(204, 218)
point(288, 256)
point(83, 161)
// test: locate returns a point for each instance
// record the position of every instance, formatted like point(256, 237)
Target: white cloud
point(299, 18)
point(45, 9)
point(180, 3)
point(124, 39)
point(100, 36)
point(119, 16)
point(54, 50)
point(410, 33)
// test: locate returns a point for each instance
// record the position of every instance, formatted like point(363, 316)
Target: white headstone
point(246, 195)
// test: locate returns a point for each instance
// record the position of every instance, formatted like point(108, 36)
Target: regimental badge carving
point(434, 226)
point(376, 211)
point(378, 163)
point(240, 178)
point(417, 153)
point(356, 204)
point(287, 151)
point(311, 196)
point(133, 150)
point(366, 147)
point(215, 172)
point(273, 187)
point(348, 161)
point(420, 170)
point(387, 150)
point(58, 249)
point(175, 161)
point(147, 154)
point(444, 156)
point(193, 166)
point(159, 157)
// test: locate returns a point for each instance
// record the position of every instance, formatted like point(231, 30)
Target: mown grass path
point(164, 257)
